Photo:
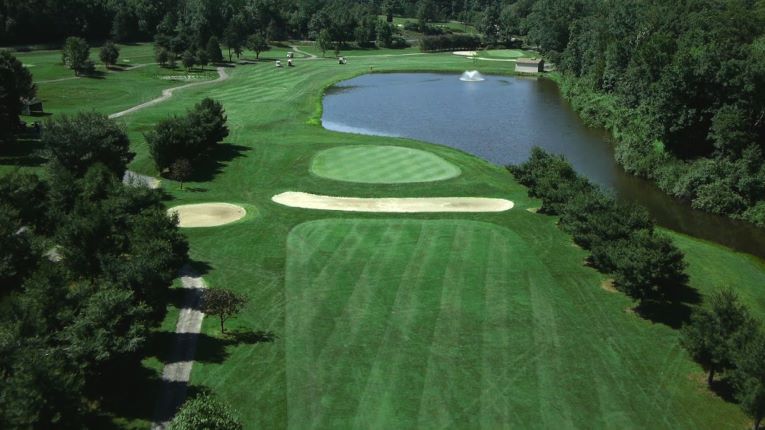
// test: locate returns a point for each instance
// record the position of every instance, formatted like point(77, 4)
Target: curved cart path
point(308, 55)
point(175, 375)
point(166, 94)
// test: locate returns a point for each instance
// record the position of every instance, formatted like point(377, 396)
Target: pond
point(500, 120)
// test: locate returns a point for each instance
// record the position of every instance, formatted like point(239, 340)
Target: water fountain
point(472, 76)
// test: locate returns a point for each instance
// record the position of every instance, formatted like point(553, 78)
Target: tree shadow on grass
point(724, 389)
point(129, 391)
point(213, 163)
point(96, 74)
point(675, 310)
point(205, 348)
point(23, 152)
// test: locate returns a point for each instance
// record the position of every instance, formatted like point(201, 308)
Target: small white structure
point(290, 55)
point(278, 63)
point(529, 65)
point(341, 60)
point(289, 62)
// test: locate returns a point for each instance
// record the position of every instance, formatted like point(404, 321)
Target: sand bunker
point(207, 214)
point(465, 53)
point(392, 205)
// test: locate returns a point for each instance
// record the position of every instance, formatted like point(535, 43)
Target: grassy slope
point(600, 354)
point(381, 165)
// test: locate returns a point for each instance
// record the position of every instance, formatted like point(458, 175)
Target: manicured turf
point(381, 165)
point(525, 331)
point(506, 53)
point(456, 324)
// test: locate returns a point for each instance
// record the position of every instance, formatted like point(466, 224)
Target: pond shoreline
point(405, 100)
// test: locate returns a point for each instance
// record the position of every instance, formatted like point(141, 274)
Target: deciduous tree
point(749, 379)
point(109, 54)
point(76, 55)
point(715, 334)
point(222, 303)
point(257, 44)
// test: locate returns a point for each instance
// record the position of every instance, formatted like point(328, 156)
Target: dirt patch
point(392, 205)
point(207, 214)
point(608, 285)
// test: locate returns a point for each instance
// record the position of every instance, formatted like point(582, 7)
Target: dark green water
point(501, 119)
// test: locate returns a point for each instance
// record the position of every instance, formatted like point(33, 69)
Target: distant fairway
point(381, 165)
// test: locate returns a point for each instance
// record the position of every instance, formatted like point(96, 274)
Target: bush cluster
point(449, 42)
point(620, 236)
point(189, 137)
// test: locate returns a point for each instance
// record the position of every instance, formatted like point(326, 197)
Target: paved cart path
point(166, 94)
point(175, 376)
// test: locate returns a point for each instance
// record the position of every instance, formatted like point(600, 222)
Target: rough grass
point(381, 165)
point(562, 351)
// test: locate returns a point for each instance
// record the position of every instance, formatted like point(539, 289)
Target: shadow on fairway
point(23, 152)
point(724, 389)
point(214, 163)
point(121, 382)
point(675, 310)
point(96, 74)
point(209, 349)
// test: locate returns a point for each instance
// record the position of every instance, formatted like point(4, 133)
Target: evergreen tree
point(213, 50)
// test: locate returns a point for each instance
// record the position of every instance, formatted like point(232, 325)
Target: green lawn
point(458, 324)
point(381, 165)
point(425, 320)
point(507, 54)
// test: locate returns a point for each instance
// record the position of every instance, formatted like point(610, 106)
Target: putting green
point(381, 165)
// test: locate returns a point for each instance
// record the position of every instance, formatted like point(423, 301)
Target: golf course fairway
point(428, 320)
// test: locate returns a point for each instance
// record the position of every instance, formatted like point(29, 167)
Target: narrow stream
point(501, 119)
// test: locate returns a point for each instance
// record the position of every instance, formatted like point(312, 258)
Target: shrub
point(755, 214)
point(645, 265)
point(593, 217)
point(205, 412)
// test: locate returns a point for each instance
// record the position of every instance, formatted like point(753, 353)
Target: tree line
point(45, 21)
point(85, 268)
point(680, 84)
point(620, 236)
point(723, 337)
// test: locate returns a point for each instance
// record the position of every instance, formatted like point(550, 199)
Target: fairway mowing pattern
point(408, 324)
point(381, 165)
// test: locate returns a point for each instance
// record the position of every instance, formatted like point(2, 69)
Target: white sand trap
point(393, 205)
point(465, 53)
point(207, 214)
